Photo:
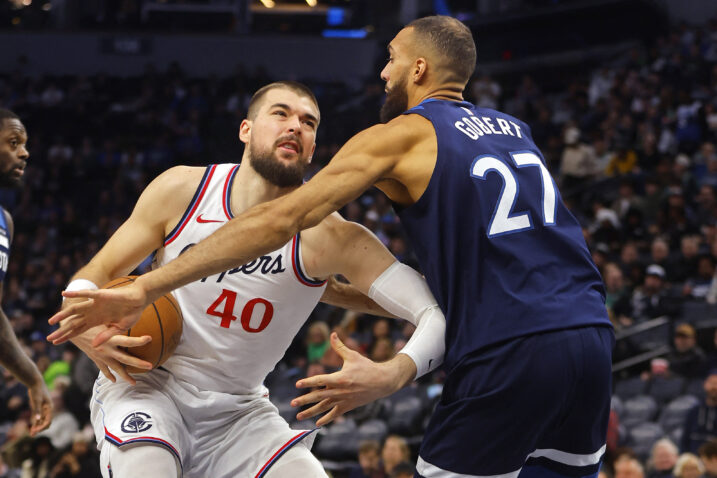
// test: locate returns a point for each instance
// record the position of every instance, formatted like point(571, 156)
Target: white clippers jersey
point(237, 324)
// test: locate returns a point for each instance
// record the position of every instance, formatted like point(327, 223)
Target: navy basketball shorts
point(534, 407)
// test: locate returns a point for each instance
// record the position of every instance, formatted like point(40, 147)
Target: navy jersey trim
point(296, 265)
point(193, 204)
point(228, 192)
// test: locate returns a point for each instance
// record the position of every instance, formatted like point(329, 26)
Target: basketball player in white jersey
point(205, 412)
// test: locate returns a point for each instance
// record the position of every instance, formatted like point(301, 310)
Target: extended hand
point(119, 309)
point(40, 407)
point(359, 382)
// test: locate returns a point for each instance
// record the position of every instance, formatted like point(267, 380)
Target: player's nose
point(384, 73)
point(23, 153)
point(293, 124)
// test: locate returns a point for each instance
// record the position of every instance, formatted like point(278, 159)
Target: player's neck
point(446, 91)
point(250, 188)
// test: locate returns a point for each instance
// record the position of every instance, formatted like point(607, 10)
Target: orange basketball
point(162, 320)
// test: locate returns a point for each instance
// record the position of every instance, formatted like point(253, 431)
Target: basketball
point(162, 320)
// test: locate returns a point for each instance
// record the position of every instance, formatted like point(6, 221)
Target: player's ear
point(245, 131)
point(419, 70)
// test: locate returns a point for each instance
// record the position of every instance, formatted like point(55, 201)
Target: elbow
point(283, 227)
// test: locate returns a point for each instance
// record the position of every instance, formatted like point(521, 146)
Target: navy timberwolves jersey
point(500, 251)
point(4, 245)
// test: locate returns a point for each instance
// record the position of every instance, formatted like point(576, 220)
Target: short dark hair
point(708, 449)
point(368, 446)
point(452, 40)
point(298, 88)
point(6, 114)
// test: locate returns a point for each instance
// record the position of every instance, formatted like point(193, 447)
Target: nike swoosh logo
point(204, 221)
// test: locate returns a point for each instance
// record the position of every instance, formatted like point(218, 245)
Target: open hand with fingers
point(118, 309)
point(359, 382)
point(112, 355)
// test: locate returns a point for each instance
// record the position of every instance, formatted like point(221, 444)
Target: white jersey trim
point(428, 470)
point(571, 459)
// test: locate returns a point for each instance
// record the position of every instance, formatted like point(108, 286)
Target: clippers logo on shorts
point(136, 422)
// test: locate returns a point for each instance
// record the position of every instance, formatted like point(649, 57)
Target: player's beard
point(396, 101)
point(277, 173)
point(9, 180)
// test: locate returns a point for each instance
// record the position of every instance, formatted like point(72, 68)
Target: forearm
point(404, 370)
point(348, 297)
point(13, 358)
point(238, 242)
point(402, 291)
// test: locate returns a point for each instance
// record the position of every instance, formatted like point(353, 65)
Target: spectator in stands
point(688, 466)
point(623, 161)
point(708, 455)
point(79, 462)
point(382, 350)
point(686, 264)
point(698, 285)
point(660, 253)
point(686, 358)
point(617, 298)
point(578, 164)
point(403, 470)
point(627, 200)
point(701, 421)
point(662, 459)
point(395, 450)
point(317, 341)
point(651, 300)
point(628, 468)
point(38, 464)
point(369, 458)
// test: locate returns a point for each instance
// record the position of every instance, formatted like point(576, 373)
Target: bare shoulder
point(168, 195)
point(404, 132)
point(176, 184)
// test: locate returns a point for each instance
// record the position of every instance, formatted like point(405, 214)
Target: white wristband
point(80, 284)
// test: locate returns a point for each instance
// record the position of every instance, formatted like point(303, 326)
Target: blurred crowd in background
point(631, 145)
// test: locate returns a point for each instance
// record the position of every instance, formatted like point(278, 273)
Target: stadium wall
point(349, 61)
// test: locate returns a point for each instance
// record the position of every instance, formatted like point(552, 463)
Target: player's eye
point(14, 143)
point(280, 113)
point(310, 123)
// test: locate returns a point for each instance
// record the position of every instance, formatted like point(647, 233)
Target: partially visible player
point(528, 340)
point(205, 412)
point(13, 158)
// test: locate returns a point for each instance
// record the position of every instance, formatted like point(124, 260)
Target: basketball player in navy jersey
point(13, 158)
point(528, 341)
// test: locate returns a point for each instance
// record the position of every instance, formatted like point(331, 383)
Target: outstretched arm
point(367, 157)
